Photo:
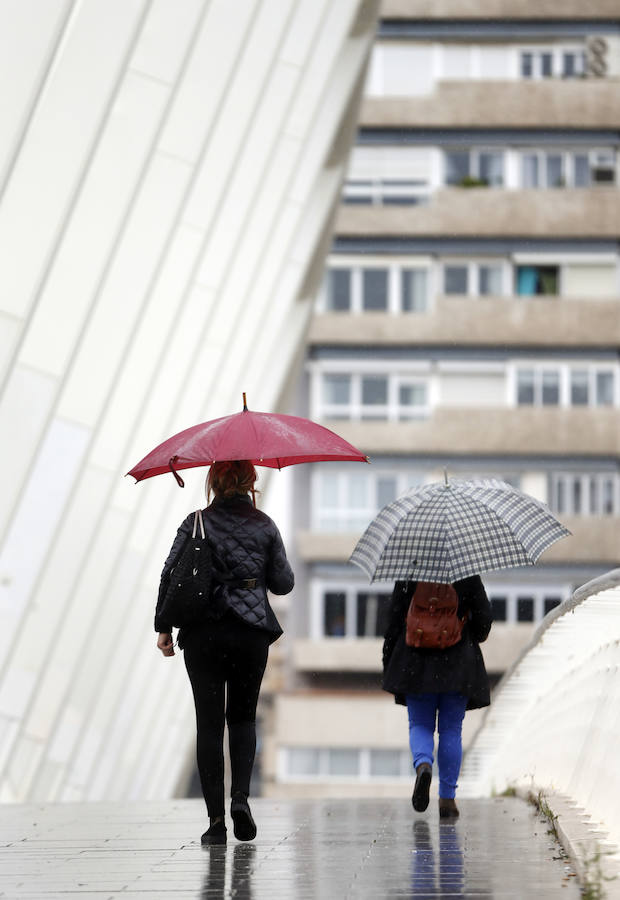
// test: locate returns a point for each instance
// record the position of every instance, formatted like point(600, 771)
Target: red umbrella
point(266, 439)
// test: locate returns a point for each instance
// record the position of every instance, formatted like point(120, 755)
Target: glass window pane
point(579, 387)
point(490, 280)
point(334, 613)
point(385, 763)
point(550, 388)
point(411, 399)
point(525, 609)
point(374, 390)
point(357, 491)
point(339, 289)
point(328, 490)
point(491, 168)
point(527, 65)
point(374, 289)
point(592, 495)
point(608, 490)
point(529, 170)
point(548, 280)
point(499, 607)
point(555, 174)
point(386, 491)
point(577, 495)
point(367, 615)
point(336, 389)
point(343, 762)
point(569, 65)
point(604, 388)
point(303, 761)
point(581, 166)
point(546, 65)
point(456, 165)
point(561, 496)
point(525, 387)
point(551, 603)
point(414, 290)
point(455, 279)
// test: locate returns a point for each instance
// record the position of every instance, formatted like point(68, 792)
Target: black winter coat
point(245, 544)
point(410, 670)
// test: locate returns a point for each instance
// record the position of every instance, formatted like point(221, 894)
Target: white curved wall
point(168, 172)
point(554, 723)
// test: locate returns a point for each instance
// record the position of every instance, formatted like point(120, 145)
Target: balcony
point(574, 104)
point(491, 212)
point(480, 321)
point(467, 431)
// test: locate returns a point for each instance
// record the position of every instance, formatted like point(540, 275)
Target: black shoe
point(424, 773)
point(216, 834)
point(243, 823)
point(448, 809)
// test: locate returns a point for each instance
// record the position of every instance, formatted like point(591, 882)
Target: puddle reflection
point(238, 864)
point(437, 863)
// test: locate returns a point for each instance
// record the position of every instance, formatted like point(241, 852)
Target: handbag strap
point(197, 519)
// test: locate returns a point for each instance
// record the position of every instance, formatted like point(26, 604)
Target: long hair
point(230, 477)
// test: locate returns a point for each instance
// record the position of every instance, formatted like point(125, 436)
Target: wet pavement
point(304, 849)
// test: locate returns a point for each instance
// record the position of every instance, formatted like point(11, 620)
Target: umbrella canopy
point(444, 532)
point(267, 439)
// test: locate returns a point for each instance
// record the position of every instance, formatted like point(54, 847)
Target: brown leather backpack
point(432, 619)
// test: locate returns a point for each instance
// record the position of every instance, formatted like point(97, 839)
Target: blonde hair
point(230, 477)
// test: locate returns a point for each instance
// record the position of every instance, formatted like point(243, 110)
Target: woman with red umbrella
point(226, 651)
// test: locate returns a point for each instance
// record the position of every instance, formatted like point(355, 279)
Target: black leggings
point(225, 653)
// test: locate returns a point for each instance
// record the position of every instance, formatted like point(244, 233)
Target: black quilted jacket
point(245, 544)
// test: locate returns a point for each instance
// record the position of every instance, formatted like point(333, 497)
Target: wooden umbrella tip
point(245, 404)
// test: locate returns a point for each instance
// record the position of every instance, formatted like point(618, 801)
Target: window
point(414, 290)
point(525, 609)
point(473, 278)
point(374, 289)
point(377, 396)
point(343, 501)
point(532, 280)
point(552, 62)
point(512, 605)
point(499, 608)
point(474, 167)
point(360, 289)
point(456, 280)
point(567, 168)
point(584, 494)
point(353, 613)
point(344, 764)
point(338, 289)
point(573, 386)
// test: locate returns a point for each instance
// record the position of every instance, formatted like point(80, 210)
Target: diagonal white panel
point(168, 266)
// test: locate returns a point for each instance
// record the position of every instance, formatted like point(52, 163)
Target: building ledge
point(460, 431)
point(479, 321)
point(563, 213)
point(466, 10)
point(590, 103)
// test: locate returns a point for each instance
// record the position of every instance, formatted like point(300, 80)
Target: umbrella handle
point(179, 480)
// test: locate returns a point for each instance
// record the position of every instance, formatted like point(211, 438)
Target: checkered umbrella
point(444, 532)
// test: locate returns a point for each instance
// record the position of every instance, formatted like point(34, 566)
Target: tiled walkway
point(304, 849)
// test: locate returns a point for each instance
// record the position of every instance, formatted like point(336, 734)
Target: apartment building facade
point(469, 320)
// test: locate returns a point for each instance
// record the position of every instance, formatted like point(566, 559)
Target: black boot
point(244, 825)
point(424, 773)
point(448, 808)
point(216, 833)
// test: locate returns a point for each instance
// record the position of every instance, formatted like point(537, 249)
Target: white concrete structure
point(168, 173)
point(554, 723)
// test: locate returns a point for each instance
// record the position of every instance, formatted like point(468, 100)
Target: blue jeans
point(449, 709)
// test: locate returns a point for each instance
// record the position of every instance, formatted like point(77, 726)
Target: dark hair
point(230, 477)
